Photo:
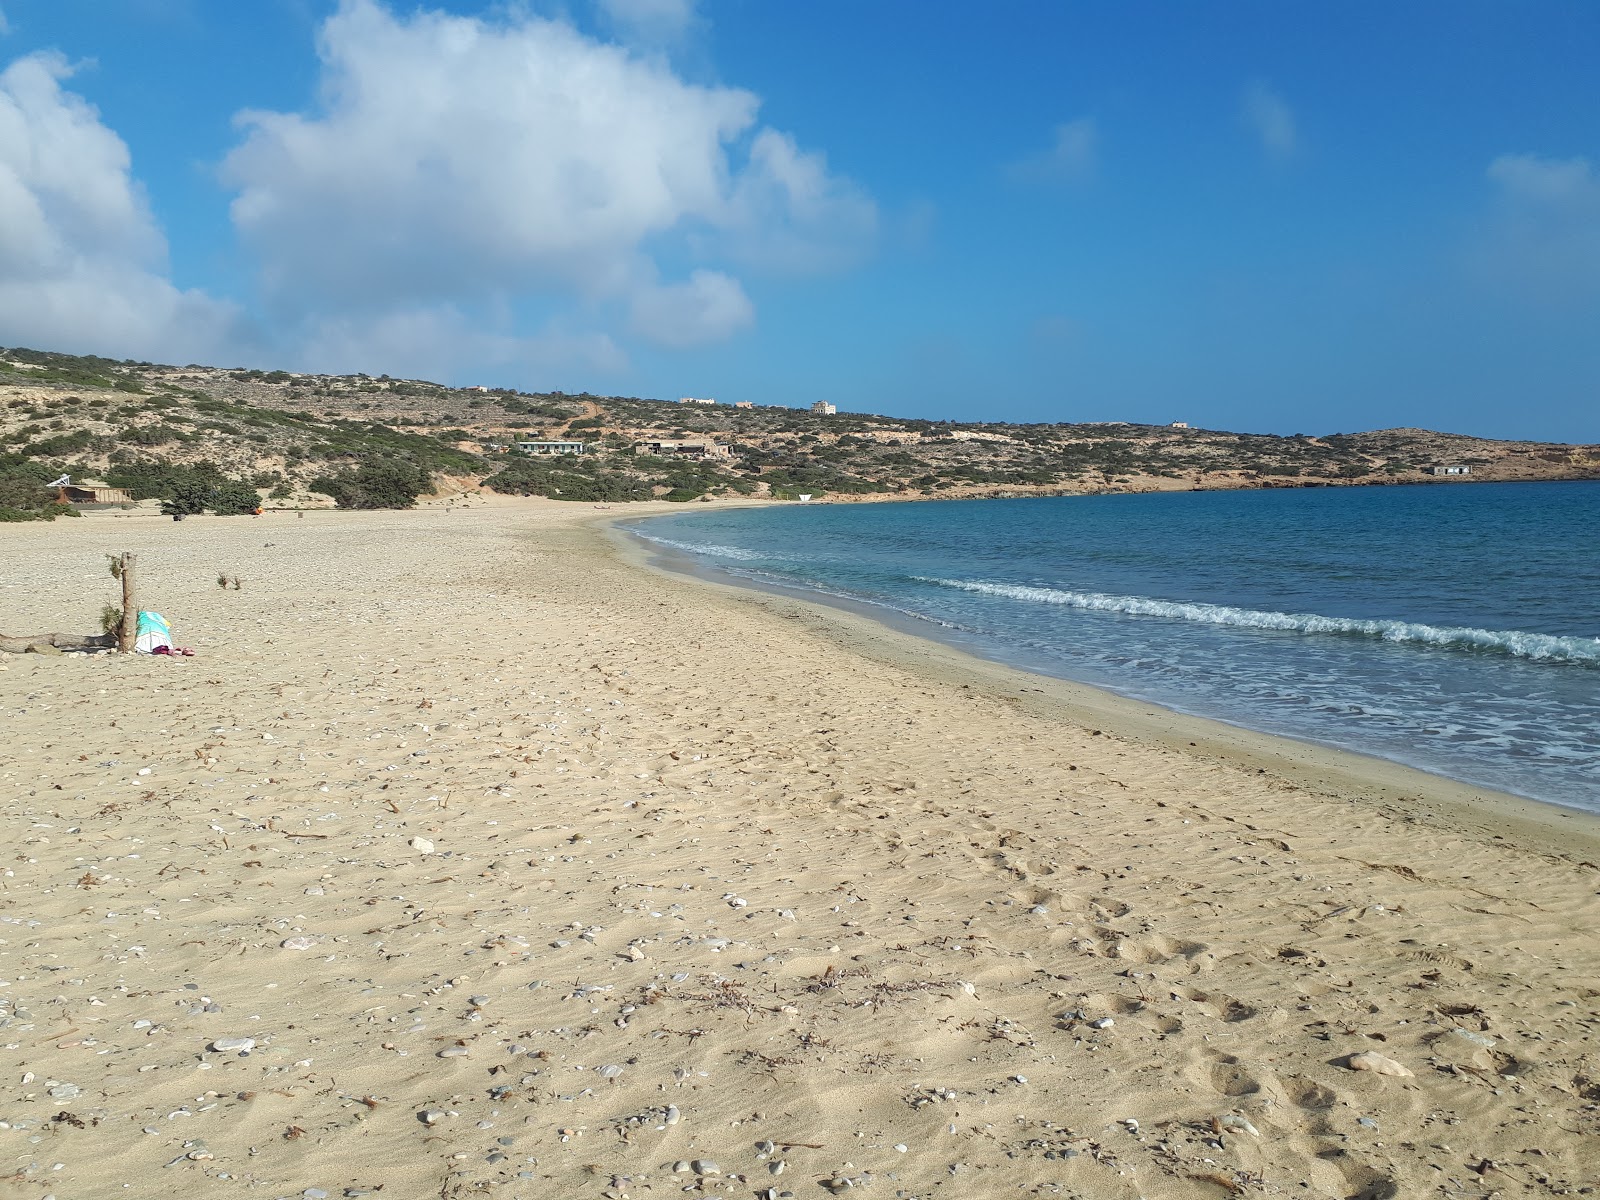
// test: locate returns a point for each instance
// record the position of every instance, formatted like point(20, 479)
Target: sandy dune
point(529, 872)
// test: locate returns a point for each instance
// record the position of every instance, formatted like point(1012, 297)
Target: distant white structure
point(694, 400)
point(552, 447)
point(1450, 470)
point(477, 387)
point(743, 404)
point(805, 497)
point(823, 407)
point(1179, 425)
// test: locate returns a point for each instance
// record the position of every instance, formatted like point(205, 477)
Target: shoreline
point(1376, 780)
point(472, 856)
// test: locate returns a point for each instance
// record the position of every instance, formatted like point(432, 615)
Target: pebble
point(422, 845)
point(705, 1166)
point(431, 1116)
point(315, 1194)
point(65, 1091)
point(454, 1052)
point(234, 1045)
point(1102, 1023)
point(298, 943)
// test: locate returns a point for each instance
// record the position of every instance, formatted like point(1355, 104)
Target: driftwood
point(54, 643)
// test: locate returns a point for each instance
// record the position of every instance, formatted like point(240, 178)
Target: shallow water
point(1455, 627)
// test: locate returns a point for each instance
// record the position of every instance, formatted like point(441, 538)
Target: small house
point(552, 447)
point(88, 491)
point(675, 449)
point(695, 400)
point(824, 408)
point(1449, 469)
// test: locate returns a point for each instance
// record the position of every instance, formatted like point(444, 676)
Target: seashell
point(1232, 1123)
point(1379, 1065)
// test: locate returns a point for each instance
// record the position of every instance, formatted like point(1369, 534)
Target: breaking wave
point(733, 552)
point(1540, 647)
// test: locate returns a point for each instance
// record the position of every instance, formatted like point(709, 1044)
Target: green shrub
point(376, 483)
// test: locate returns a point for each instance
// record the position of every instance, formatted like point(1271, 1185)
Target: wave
point(733, 552)
point(1541, 647)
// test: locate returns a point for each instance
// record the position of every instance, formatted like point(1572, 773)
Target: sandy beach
point(472, 856)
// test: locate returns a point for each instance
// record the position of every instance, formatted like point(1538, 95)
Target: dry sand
point(530, 872)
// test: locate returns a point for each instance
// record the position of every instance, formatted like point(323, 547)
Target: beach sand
point(529, 871)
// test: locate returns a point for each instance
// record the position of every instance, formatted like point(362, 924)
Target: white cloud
point(1265, 112)
point(5, 26)
point(1070, 157)
point(651, 22)
point(710, 307)
point(442, 342)
point(457, 160)
point(1545, 232)
point(82, 261)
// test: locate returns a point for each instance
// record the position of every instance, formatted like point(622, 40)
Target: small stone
point(1379, 1065)
point(705, 1166)
point(1131, 1125)
point(609, 1071)
point(315, 1194)
point(422, 845)
point(672, 1116)
point(234, 1045)
point(1102, 1023)
point(453, 1052)
point(65, 1091)
point(431, 1116)
point(298, 943)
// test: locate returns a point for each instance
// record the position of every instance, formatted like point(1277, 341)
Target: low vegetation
point(202, 438)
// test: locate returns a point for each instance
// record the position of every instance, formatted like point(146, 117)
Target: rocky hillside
point(303, 440)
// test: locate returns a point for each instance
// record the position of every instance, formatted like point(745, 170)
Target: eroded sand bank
point(531, 872)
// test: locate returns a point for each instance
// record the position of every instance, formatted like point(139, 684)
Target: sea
point(1451, 627)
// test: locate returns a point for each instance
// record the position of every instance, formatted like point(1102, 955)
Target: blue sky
point(1256, 216)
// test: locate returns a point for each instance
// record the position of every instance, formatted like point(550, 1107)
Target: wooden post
point(130, 607)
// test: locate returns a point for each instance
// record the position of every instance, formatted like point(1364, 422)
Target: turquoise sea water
point(1455, 627)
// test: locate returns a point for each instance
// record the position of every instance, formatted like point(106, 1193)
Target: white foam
point(1539, 647)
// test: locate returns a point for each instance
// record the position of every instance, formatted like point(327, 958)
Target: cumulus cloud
point(1545, 233)
point(1272, 121)
point(82, 260)
point(650, 22)
point(708, 308)
point(1070, 157)
point(443, 342)
point(456, 160)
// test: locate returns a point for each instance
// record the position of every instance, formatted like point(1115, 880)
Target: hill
point(179, 434)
